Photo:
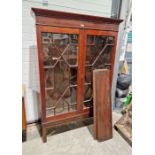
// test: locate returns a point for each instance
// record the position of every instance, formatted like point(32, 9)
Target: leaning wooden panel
point(102, 105)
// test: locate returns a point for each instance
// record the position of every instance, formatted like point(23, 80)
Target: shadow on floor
point(69, 126)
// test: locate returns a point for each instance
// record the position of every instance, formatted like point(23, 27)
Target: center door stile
point(81, 69)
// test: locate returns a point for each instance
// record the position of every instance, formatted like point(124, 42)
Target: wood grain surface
point(102, 105)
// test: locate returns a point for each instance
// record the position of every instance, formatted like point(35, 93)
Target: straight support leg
point(44, 134)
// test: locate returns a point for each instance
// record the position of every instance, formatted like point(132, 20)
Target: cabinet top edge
point(69, 15)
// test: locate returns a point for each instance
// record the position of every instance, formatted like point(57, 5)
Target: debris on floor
point(123, 89)
point(124, 125)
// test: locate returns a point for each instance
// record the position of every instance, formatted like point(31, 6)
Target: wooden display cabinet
point(70, 47)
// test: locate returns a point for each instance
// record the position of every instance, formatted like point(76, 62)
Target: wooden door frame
point(81, 64)
point(100, 33)
point(40, 29)
point(110, 34)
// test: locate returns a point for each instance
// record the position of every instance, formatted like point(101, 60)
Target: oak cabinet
point(70, 47)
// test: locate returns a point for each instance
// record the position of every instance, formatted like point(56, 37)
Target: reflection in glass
point(60, 58)
point(98, 56)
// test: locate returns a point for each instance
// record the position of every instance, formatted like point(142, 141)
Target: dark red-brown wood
point(70, 23)
point(102, 105)
point(41, 72)
point(68, 16)
point(66, 19)
point(23, 121)
point(81, 61)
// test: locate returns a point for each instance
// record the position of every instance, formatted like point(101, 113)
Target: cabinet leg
point(44, 134)
point(23, 135)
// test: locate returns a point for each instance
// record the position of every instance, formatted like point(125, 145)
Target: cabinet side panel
point(41, 73)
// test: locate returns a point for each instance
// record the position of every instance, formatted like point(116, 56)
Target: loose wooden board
point(102, 105)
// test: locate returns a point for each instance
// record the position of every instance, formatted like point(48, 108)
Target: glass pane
point(98, 56)
point(70, 55)
point(60, 54)
point(49, 78)
point(91, 55)
point(88, 74)
point(88, 98)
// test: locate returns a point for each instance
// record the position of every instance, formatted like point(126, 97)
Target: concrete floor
point(74, 140)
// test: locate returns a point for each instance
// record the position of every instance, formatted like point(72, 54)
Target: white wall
point(30, 72)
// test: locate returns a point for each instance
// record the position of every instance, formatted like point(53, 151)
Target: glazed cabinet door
point(100, 53)
point(58, 56)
